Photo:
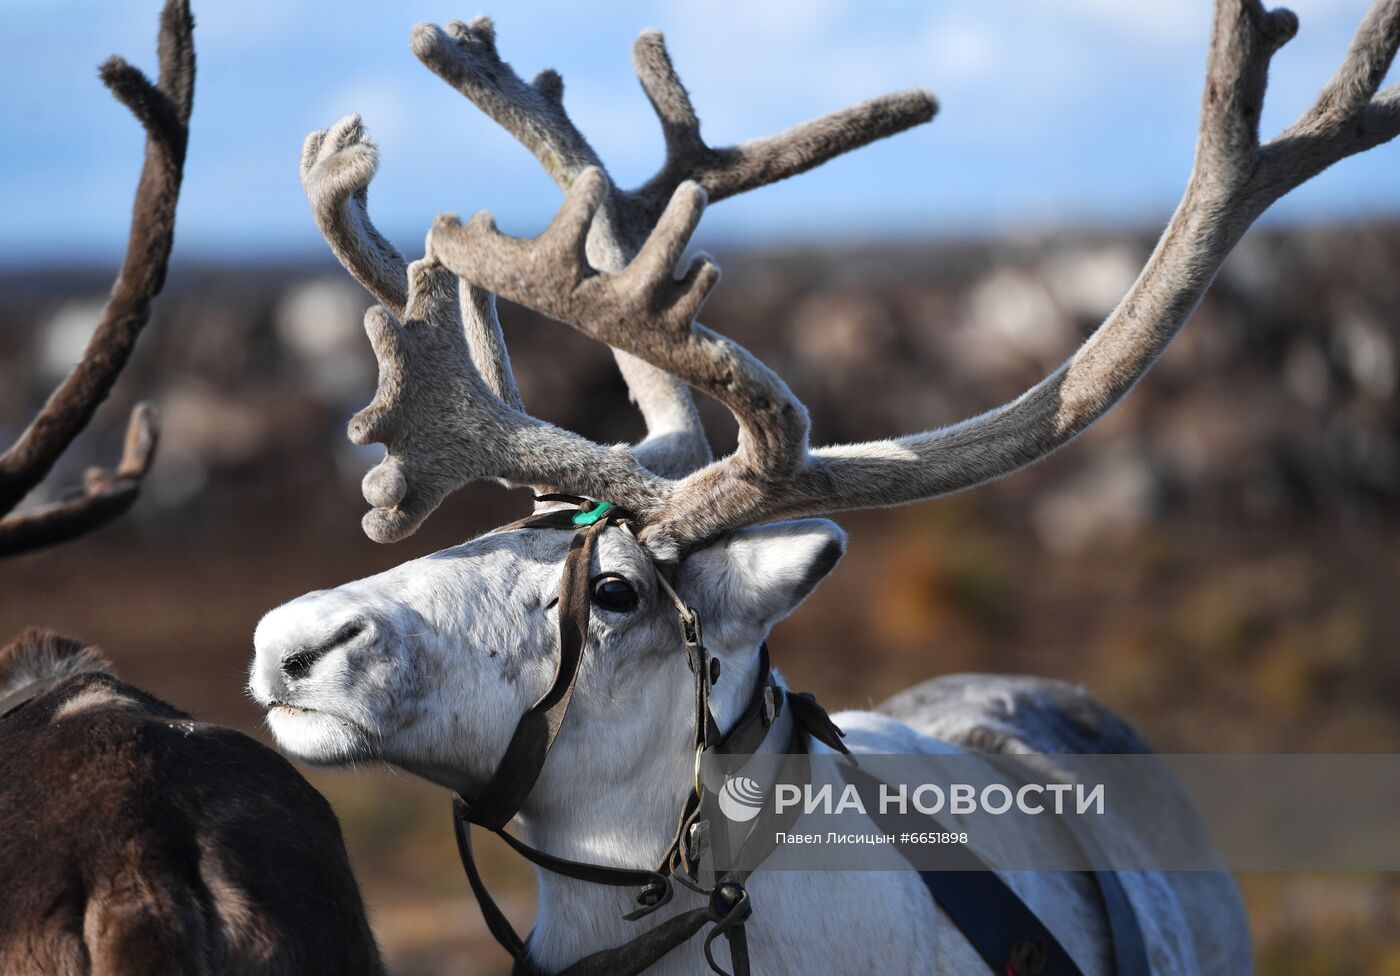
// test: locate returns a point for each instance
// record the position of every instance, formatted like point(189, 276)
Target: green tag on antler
point(593, 515)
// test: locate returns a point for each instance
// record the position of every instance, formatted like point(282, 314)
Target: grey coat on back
point(1028, 716)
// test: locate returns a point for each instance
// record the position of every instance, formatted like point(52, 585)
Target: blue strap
point(1129, 947)
point(1002, 929)
point(998, 924)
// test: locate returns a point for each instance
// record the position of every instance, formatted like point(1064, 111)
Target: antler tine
point(564, 285)
point(105, 494)
point(337, 165)
point(465, 56)
point(1233, 181)
point(1348, 116)
point(772, 474)
point(488, 344)
point(163, 109)
point(728, 171)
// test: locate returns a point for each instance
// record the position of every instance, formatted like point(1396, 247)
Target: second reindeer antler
point(773, 474)
point(163, 108)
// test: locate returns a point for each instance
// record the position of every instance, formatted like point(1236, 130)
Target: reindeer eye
point(614, 593)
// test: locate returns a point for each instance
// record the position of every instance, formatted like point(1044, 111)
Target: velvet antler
point(773, 474)
point(338, 164)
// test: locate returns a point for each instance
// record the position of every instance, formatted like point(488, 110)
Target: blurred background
point(1218, 559)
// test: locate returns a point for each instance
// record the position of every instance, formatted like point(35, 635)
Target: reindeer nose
point(302, 659)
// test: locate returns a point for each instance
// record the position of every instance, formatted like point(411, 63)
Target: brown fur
point(163, 108)
point(136, 840)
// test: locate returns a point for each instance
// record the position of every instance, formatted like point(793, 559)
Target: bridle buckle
point(690, 626)
point(731, 898)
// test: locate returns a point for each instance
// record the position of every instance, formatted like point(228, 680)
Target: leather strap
point(763, 709)
point(501, 798)
point(1124, 930)
point(991, 916)
point(1003, 930)
point(1008, 936)
point(1011, 938)
point(642, 952)
point(501, 929)
point(638, 954)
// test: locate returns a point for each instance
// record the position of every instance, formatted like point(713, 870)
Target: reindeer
point(137, 840)
point(134, 839)
point(463, 666)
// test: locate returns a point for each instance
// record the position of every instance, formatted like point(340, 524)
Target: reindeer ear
point(750, 579)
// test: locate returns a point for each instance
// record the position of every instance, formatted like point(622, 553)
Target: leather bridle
point(997, 923)
point(497, 803)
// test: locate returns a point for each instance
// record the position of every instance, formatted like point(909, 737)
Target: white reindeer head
point(430, 665)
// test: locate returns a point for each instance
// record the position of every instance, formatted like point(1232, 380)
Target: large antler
point(773, 474)
point(163, 109)
point(338, 164)
point(465, 56)
point(772, 447)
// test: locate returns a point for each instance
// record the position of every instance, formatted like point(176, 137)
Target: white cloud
point(1154, 22)
point(961, 48)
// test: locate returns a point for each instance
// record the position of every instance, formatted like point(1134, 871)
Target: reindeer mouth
point(317, 736)
point(291, 709)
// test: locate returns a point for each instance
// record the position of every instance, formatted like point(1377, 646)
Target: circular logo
point(740, 799)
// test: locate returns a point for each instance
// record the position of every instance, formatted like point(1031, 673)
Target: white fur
point(457, 645)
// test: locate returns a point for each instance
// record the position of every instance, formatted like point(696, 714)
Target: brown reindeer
point(134, 839)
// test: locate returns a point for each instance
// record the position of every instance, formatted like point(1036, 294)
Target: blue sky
point(1054, 113)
